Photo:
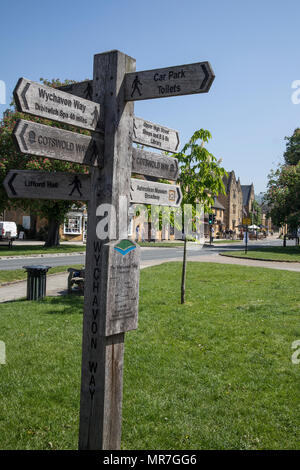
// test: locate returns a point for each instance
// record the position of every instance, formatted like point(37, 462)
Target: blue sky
point(253, 47)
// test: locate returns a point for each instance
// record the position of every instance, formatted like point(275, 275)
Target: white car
point(8, 232)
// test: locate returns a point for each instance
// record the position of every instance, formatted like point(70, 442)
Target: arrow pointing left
point(9, 182)
point(45, 185)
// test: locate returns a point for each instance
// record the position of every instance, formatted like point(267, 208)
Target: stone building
point(232, 202)
point(248, 198)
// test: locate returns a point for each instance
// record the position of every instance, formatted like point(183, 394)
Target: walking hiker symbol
point(96, 116)
point(76, 185)
point(135, 86)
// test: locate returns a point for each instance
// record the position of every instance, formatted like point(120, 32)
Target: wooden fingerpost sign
point(112, 267)
point(112, 261)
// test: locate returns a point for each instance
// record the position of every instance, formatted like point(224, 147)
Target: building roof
point(218, 205)
point(246, 190)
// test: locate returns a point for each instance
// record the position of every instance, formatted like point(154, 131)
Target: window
point(72, 225)
point(84, 228)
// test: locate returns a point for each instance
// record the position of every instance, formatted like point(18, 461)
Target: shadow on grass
point(70, 303)
point(66, 304)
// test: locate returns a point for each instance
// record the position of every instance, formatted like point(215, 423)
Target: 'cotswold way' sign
point(153, 164)
point(112, 261)
point(52, 142)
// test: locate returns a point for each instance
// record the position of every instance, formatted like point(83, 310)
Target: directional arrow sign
point(155, 135)
point(169, 81)
point(159, 194)
point(153, 164)
point(51, 142)
point(45, 185)
point(51, 103)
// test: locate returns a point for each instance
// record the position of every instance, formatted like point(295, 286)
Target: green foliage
point(201, 177)
point(283, 195)
point(292, 153)
point(256, 213)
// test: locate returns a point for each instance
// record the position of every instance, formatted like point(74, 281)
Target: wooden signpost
point(155, 135)
point(50, 103)
point(153, 164)
point(112, 261)
point(45, 185)
point(158, 194)
point(51, 142)
point(169, 81)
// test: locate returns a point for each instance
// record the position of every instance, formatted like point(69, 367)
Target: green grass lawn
point(270, 253)
point(20, 274)
point(215, 373)
point(164, 244)
point(227, 241)
point(23, 250)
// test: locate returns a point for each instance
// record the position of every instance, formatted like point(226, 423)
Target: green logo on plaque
point(124, 247)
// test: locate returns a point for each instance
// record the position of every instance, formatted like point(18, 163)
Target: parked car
point(8, 232)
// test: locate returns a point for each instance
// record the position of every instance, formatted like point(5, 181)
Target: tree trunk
point(53, 233)
point(183, 273)
point(33, 220)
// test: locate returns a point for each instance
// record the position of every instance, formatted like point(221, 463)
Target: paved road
point(147, 255)
point(57, 284)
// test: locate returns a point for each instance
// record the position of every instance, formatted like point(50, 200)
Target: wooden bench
point(76, 277)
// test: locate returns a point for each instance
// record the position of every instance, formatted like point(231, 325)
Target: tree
point(283, 195)
point(10, 158)
point(201, 176)
point(292, 152)
point(201, 179)
point(256, 213)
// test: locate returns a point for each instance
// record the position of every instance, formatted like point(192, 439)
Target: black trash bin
point(36, 281)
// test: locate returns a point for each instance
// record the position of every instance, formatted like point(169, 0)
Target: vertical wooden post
point(183, 273)
point(102, 356)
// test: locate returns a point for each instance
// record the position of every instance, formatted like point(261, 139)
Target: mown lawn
point(215, 373)
point(269, 253)
point(23, 250)
point(20, 274)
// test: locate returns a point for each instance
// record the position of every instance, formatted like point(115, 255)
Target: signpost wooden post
point(112, 261)
point(102, 355)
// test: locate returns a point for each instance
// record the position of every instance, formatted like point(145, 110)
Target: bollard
point(36, 281)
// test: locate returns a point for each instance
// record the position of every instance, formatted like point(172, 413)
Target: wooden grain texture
point(51, 103)
point(154, 164)
point(155, 135)
point(169, 81)
point(51, 142)
point(29, 184)
point(158, 194)
point(81, 89)
point(102, 356)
